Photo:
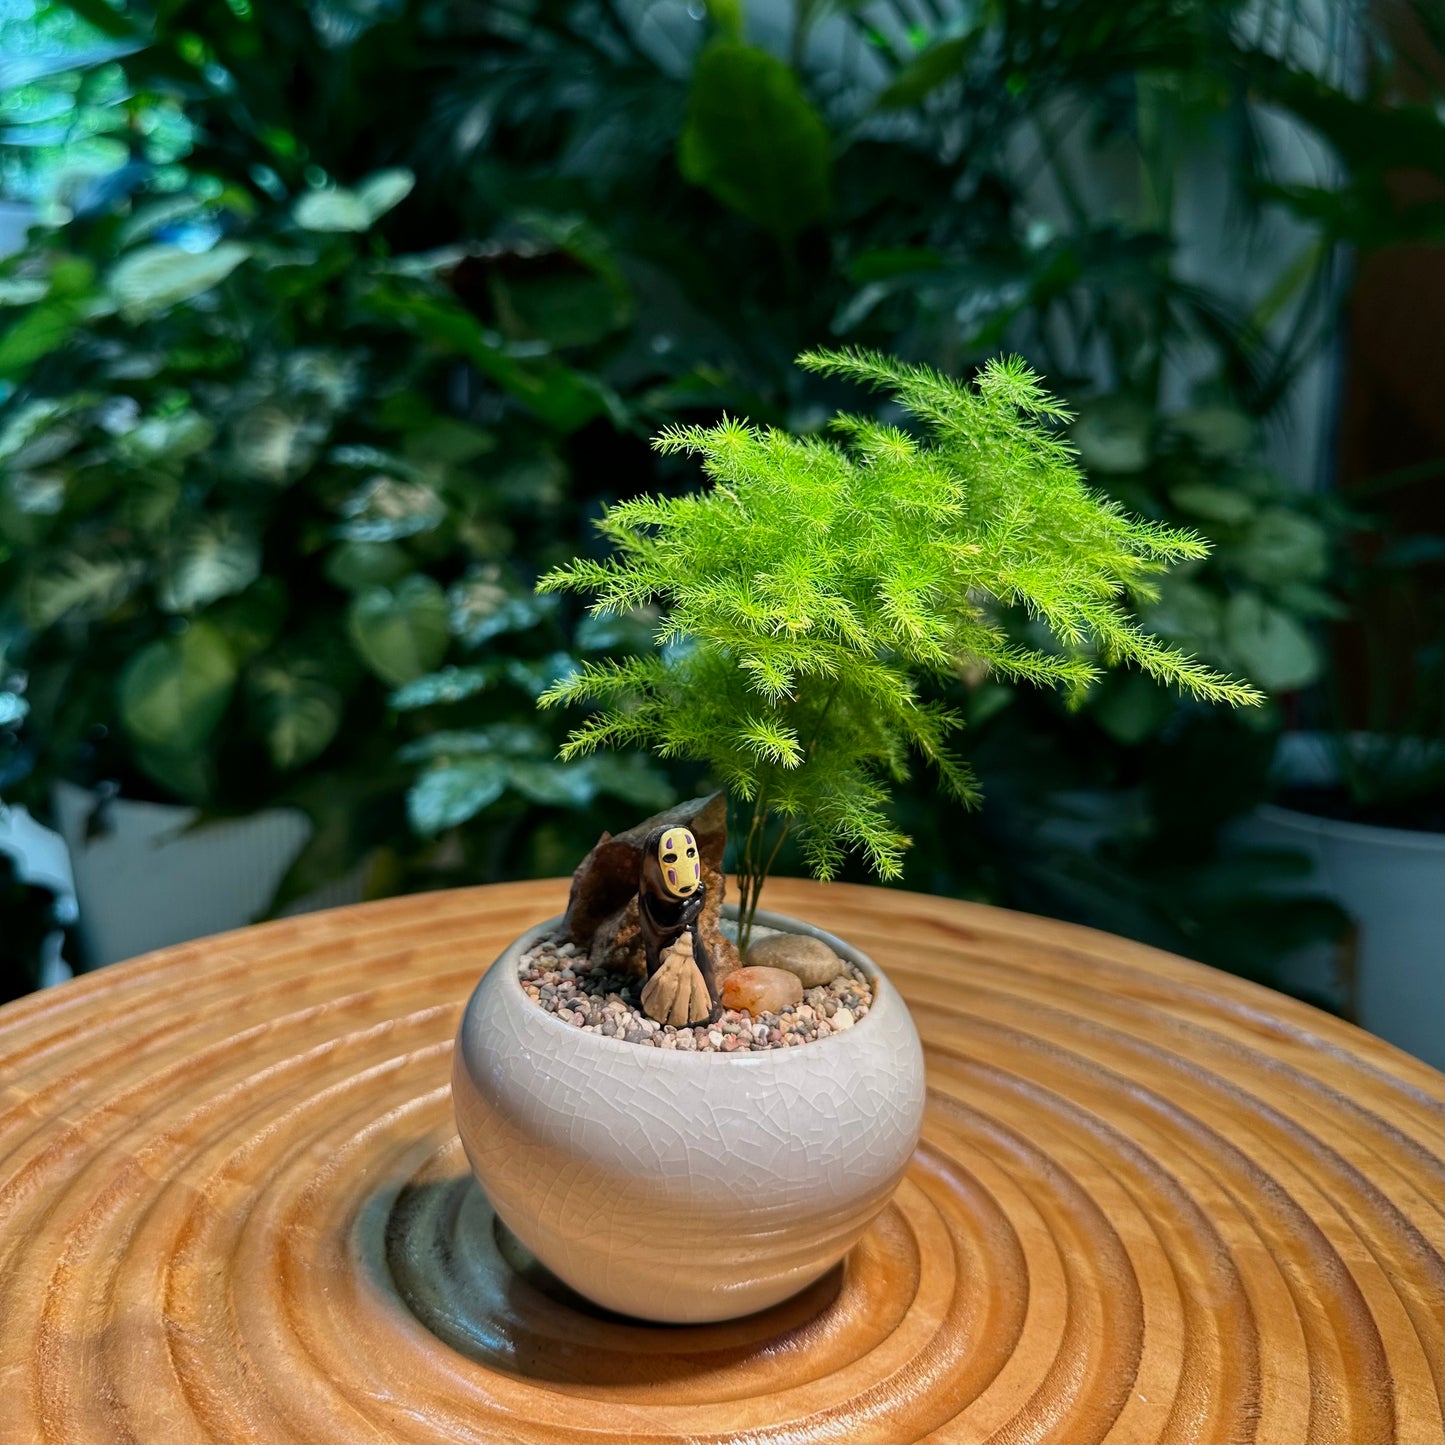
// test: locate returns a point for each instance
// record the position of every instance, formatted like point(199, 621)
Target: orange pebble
point(760, 990)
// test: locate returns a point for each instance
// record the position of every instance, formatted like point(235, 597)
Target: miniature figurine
point(649, 902)
point(681, 988)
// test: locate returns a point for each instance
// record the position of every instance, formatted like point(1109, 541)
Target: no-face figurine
point(670, 896)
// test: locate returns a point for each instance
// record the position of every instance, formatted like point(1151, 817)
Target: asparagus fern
point(819, 581)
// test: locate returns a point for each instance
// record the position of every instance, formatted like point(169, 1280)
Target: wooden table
point(1152, 1202)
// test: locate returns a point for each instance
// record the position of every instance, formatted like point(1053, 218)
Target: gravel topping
point(599, 1001)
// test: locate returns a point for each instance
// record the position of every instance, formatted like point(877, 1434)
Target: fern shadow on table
point(462, 1274)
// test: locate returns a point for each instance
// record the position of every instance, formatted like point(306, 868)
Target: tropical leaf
point(298, 713)
point(929, 72)
point(1269, 644)
point(353, 566)
point(387, 509)
point(400, 633)
point(561, 396)
point(499, 739)
point(446, 796)
point(1283, 546)
point(335, 208)
point(451, 684)
point(252, 621)
point(157, 277)
point(1214, 503)
point(754, 140)
point(274, 444)
point(212, 558)
point(483, 606)
point(174, 691)
point(35, 335)
point(79, 588)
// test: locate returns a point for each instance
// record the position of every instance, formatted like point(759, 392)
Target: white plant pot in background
point(16, 218)
point(684, 1187)
point(150, 880)
point(1391, 881)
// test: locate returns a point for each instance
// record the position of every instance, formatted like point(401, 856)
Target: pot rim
point(753, 1058)
point(1348, 830)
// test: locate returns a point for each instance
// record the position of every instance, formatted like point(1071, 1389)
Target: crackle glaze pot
point(684, 1187)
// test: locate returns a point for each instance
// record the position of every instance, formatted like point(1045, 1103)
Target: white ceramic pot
point(1392, 883)
point(1390, 974)
point(16, 218)
point(684, 1187)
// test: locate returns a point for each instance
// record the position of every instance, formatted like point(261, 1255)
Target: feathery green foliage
point(810, 590)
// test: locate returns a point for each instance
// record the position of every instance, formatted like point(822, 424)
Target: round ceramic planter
point(684, 1187)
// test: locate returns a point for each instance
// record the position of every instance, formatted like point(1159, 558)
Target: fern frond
point(1010, 380)
point(1130, 643)
point(604, 681)
point(606, 730)
point(810, 588)
point(582, 575)
point(771, 741)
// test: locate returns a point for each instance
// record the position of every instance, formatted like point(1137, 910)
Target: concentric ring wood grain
point(1152, 1203)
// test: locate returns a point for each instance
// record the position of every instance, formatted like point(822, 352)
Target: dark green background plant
point(239, 519)
point(644, 216)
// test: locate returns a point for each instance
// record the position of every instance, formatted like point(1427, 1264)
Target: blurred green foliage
point(236, 519)
point(377, 302)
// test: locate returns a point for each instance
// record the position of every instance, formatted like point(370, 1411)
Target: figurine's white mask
point(681, 867)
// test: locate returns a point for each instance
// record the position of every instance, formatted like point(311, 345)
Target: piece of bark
point(720, 948)
point(617, 941)
point(606, 878)
point(602, 910)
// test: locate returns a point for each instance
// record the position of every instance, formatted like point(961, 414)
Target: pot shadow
point(439, 1247)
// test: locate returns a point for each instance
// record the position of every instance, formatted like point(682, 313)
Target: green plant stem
point(773, 856)
point(752, 871)
point(753, 868)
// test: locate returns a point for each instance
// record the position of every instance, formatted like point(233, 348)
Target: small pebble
point(761, 990)
point(810, 959)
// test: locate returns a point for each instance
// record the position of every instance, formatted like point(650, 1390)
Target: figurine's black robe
point(663, 918)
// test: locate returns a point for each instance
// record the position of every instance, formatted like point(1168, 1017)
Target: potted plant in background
point(1362, 795)
point(810, 599)
point(235, 518)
